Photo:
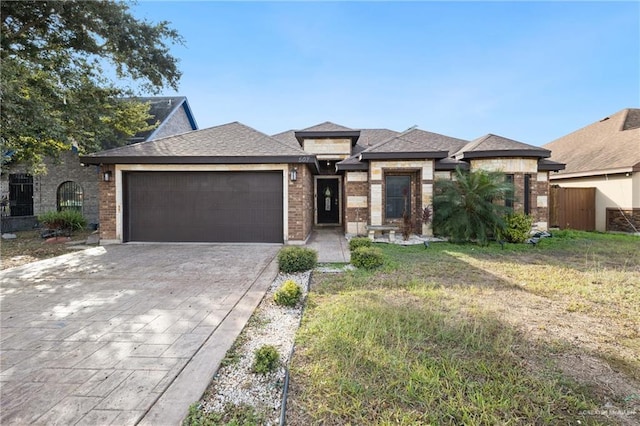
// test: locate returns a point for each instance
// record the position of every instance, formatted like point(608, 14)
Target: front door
point(328, 201)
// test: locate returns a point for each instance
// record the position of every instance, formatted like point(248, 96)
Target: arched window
point(69, 196)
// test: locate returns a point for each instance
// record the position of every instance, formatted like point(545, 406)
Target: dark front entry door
point(327, 201)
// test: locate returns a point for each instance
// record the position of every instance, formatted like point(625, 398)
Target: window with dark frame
point(69, 196)
point(398, 196)
point(509, 196)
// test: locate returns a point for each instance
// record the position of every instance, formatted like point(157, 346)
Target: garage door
point(203, 206)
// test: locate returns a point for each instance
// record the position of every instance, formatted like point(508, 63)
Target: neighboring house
point(232, 183)
point(606, 156)
point(67, 183)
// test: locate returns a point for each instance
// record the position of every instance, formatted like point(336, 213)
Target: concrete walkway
point(331, 245)
point(125, 334)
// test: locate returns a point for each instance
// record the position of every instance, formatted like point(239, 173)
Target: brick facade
point(108, 205)
point(300, 202)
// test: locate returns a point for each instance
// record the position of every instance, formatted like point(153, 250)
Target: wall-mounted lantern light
point(293, 175)
point(107, 176)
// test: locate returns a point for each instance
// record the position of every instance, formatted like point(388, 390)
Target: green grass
point(413, 343)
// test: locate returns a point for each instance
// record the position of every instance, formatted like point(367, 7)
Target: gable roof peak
point(327, 126)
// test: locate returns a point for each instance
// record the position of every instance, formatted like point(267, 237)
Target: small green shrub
point(356, 242)
point(518, 227)
point(266, 359)
point(297, 259)
point(288, 294)
point(367, 257)
point(71, 220)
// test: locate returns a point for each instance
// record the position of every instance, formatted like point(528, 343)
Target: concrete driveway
point(124, 334)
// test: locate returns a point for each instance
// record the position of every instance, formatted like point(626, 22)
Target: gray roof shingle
point(417, 140)
point(228, 140)
point(497, 146)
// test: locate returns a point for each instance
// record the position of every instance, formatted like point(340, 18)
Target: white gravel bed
point(270, 324)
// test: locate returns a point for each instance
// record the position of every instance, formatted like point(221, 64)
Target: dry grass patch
point(460, 334)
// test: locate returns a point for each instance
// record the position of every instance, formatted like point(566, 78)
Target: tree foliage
point(55, 88)
point(465, 208)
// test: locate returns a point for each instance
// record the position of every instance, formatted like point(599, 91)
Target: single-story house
point(67, 183)
point(232, 183)
point(605, 155)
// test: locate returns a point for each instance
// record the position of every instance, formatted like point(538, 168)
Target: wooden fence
point(572, 208)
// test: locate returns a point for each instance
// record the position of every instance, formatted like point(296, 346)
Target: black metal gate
point(21, 194)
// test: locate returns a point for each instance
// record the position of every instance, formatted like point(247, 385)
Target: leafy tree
point(465, 208)
point(54, 87)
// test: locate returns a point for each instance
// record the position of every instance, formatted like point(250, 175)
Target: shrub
point(357, 242)
point(518, 227)
point(367, 257)
point(266, 359)
point(465, 209)
point(71, 220)
point(297, 259)
point(288, 294)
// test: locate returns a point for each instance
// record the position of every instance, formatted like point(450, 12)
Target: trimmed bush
point(71, 220)
point(266, 359)
point(297, 259)
point(288, 294)
point(356, 242)
point(367, 257)
point(518, 227)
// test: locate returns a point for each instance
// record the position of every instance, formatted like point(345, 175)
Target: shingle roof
point(372, 137)
point(288, 137)
point(416, 140)
point(228, 141)
point(497, 146)
point(327, 126)
point(609, 144)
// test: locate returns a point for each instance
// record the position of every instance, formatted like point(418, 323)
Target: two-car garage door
point(203, 206)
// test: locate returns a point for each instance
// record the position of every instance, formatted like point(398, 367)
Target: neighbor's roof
point(162, 108)
point(497, 146)
point(233, 143)
point(609, 145)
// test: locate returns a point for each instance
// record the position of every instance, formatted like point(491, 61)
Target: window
point(398, 196)
point(508, 199)
point(69, 196)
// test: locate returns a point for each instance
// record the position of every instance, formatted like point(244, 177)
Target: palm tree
point(465, 209)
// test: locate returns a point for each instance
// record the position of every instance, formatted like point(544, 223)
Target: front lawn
point(462, 334)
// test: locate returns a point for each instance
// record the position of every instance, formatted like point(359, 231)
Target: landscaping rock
point(9, 236)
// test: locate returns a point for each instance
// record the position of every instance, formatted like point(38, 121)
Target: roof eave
point(270, 159)
point(450, 166)
point(502, 153)
point(352, 166)
point(591, 173)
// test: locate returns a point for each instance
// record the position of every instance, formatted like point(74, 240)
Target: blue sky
point(530, 71)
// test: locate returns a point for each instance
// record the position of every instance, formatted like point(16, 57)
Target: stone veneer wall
point(539, 184)
point(356, 199)
point(422, 187)
point(300, 203)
